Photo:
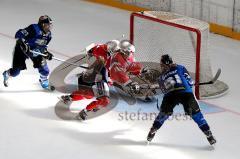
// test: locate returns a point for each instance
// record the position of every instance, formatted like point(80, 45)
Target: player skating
point(35, 37)
point(176, 85)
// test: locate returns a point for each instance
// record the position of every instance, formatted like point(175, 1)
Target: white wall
point(215, 11)
point(236, 23)
point(163, 5)
point(222, 12)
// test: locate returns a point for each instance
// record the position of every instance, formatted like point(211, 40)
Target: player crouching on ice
point(122, 66)
point(176, 85)
point(35, 37)
point(94, 82)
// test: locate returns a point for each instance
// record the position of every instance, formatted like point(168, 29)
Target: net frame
point(191, 27)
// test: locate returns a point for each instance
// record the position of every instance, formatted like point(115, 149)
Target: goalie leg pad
point(103, 101)
point(92, 105)
point(82, 93)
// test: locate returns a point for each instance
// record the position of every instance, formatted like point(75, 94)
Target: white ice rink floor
point(31, 129)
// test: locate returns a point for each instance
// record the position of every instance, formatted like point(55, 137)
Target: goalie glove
point(133, 88)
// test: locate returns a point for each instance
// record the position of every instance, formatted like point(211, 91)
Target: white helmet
point(126, 47)
point(112, 46)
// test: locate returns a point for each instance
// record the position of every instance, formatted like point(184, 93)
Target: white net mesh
point(174, 35)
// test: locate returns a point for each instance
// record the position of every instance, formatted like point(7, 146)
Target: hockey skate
point(82, 115)
point(151, 134)
point(45, 85)
point(6, 77)
point(211, 139)
point(66, 99)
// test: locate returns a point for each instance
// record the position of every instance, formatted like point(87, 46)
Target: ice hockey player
point(123, 65)
point(105, 51)
point(176, 85)
point(94, 81)
point(35, 37)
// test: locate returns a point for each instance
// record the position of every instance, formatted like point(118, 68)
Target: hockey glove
point(23, 45)
point(133, 88)
point(49, 55)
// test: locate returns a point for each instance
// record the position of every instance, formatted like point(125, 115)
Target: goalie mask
point(126, 47)
point(112, 46)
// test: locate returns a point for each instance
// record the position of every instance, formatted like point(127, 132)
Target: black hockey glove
point(23, 45)
point(49, 55)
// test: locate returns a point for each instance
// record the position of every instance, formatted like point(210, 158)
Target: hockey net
point(185, 39)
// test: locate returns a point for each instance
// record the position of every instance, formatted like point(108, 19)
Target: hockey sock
point(160, 119)
point(202, 123)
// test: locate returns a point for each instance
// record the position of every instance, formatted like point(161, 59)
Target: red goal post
point(186, 39)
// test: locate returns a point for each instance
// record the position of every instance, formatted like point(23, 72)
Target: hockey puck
point(52, 88)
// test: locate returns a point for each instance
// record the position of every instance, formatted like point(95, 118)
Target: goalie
point(104, 51)
point(122, 66)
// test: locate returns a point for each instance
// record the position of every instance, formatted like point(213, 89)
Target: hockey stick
point(155, 86)
point(158, 107)
point(89, 47)
point(58, 59)
point(74, 62)
point(212, 80)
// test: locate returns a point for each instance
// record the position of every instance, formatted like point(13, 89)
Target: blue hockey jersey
point(176, 79)
point(34, 37)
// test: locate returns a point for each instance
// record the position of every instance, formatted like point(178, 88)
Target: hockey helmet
point(44, 19)
point(126, 47)
point(166, 59)
point(112, 46)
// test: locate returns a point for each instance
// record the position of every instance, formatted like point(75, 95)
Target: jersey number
point(171, 81)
